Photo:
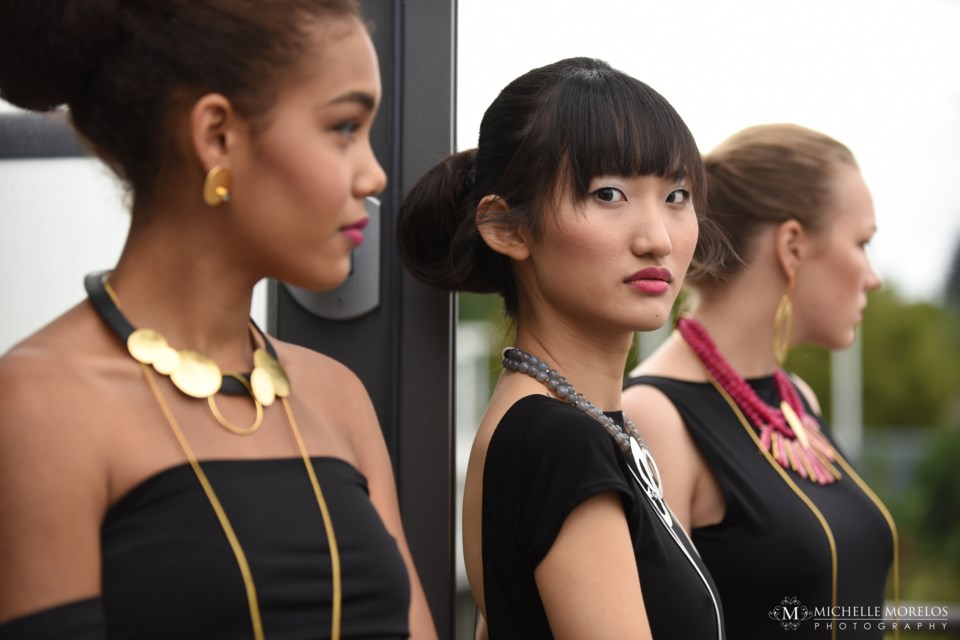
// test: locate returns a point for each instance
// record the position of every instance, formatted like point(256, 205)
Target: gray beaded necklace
point(518, 360)
point(627, 437)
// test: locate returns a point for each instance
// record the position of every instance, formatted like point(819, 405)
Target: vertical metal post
point(427, 357)
point(649, 341)
point(403, 349)
point(846, 390)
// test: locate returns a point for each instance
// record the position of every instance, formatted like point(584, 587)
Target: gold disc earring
point(216, 186)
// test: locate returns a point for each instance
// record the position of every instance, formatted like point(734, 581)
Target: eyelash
point(347, 128)
point(684, 192)
point(612, 190)
point(623, 198)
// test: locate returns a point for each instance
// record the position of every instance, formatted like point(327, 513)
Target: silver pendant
point(649, 480)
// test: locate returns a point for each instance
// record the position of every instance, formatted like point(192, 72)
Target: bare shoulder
point(321, 374)
point(654, 415)
point(661, 425)
point(50, 378)
point(58, 389)
point(53, 475)
point(337, 400)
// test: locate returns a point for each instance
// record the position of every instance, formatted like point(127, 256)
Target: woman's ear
point(792, 245)
point(212, 129)
point(502, 236)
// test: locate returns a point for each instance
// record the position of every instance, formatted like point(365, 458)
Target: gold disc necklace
point(197, 376)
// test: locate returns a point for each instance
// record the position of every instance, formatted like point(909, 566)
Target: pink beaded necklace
point(789, 433)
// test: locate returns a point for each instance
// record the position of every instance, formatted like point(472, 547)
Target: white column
point(846, 386)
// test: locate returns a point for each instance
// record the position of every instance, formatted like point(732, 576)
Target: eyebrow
point(356, 97)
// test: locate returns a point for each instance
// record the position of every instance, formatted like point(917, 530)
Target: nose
point(371, 179)
point(652, 232)
point(874, 280)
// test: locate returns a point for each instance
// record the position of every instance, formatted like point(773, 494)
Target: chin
point(650, 322)
point(839, 343)
point(331, 281)
point(320, 279)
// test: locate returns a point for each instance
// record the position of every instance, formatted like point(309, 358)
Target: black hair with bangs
point(550, 131)
point(590, 120)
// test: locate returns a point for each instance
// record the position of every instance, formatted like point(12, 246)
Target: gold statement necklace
point(197, 376)
point(692, 334)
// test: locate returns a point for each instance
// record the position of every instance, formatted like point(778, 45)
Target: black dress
point(169, 572)
point(770, 546)
point(545, 458)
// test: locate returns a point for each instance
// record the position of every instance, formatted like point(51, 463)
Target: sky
point(881, 76)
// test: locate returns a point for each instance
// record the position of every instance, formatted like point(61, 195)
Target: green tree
point(911, 363)
point(937, 497)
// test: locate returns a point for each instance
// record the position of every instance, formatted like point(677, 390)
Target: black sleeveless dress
point(770, 546)
point(169, 572)
point(545, 458)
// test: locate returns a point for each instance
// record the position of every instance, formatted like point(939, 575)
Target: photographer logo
point(790, 613)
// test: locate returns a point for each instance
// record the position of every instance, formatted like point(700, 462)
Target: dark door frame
point(403, 350)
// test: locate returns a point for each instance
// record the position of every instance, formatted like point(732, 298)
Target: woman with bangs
point(579, 208)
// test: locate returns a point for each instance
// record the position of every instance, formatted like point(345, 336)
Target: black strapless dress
point(169, 572)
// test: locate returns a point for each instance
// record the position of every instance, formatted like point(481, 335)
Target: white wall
point(59, 220)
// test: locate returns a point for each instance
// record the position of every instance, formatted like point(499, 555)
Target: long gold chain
point(800, 494)
point(268, 381)
point(327, 524)
point(248, 583)
point(893, 532)
point(818, 514)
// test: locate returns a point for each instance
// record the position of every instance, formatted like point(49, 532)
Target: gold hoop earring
point(783, 324)
point(216, 186)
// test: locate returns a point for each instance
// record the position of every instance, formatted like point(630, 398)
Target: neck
point(165, 281)
point(742, 328)
point(594, 366)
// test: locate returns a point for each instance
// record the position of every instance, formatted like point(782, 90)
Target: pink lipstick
point(354, 232)
point(651, 280)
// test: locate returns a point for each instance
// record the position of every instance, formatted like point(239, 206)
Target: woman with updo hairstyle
point(167, 470)
point(579, 207)
point(784, 523)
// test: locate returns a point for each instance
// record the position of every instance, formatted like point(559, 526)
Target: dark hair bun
point(49, 47)
point(438, 236)
point(436, 219)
